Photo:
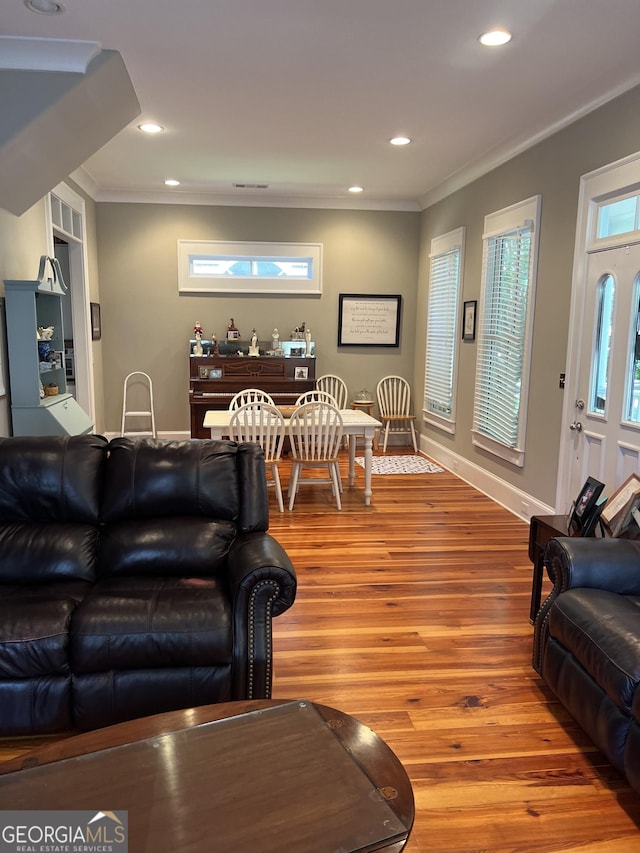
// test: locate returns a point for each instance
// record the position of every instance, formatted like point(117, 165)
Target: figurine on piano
point(197, 333)
point(233, 334)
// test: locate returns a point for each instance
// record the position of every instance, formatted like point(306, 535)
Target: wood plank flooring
point(412, 615)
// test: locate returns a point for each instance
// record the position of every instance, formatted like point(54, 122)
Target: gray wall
point(551, 169)
point(146, 323)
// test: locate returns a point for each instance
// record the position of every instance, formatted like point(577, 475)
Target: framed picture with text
point(368, 321)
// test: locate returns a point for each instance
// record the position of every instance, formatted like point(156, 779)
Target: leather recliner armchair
point(587, 642)
point(136, 576)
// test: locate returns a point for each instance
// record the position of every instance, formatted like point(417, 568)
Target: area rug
point(400, 465)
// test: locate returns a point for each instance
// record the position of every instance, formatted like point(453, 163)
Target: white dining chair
point(315, 434)
point(263, 424)
point(335, 386)
point(394, 404)
point(250, 395)
point(317, 396)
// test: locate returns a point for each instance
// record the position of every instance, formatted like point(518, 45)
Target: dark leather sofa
point(136, 577)
point(587, 642)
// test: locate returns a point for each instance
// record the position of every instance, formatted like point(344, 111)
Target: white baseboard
point(516, 501)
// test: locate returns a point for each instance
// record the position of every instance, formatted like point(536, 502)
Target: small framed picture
point(215, 373)
point(585, 505)
point(203, 372)
point(617, 513)
point(96, 324)
point(58, 359)
point(469, 320)
point(301, 373)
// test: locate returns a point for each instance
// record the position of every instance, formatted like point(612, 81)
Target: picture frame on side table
point(617, 514)
point(586, 504)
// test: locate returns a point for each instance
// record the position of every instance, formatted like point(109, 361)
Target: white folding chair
point(250, 395)
point(263, 424)
point(315, 433)
point(317, 396)
point(394, 403)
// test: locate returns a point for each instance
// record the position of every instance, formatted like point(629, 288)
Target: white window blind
point(504, 337)
point(442, 326)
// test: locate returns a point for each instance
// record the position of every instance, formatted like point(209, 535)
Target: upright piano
point(215, 379)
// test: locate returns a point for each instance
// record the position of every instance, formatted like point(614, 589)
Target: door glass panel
point(633, 374)
point(602, 353)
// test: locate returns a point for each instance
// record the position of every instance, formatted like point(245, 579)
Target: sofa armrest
point(575, 561)
point(262, 583)
point(610, 564)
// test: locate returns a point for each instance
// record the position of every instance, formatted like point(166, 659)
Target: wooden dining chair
point(263, 424)
point(250, 395)
point(315, 433)
point(394, 404)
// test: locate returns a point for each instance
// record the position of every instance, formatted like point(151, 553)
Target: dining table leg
point(352, 459)
point(368, 463)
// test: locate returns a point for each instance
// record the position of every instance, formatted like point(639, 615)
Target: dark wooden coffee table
point(264, 776)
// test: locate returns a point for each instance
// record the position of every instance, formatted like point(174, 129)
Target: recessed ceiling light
point(150, 127)
point(356, 189)
point(45, 7)
point(400, 140)
point(171, 182)
point(495, 38)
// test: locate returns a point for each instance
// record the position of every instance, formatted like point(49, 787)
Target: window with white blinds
point(504, 339)
point(443, 310)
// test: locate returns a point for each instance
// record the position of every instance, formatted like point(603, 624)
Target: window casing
point(443, 321)
point(505, 330)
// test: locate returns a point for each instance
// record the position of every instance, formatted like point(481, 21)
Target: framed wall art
point(368, 321)
point(469, 320)
point(96, 324)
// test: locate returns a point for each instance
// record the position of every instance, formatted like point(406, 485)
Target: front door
point(605, 431)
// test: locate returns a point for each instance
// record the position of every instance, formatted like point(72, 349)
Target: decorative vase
point(44, 348)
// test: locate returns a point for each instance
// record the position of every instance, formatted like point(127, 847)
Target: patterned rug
point(400, 465)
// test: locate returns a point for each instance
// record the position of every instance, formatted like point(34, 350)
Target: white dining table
point(354, 424)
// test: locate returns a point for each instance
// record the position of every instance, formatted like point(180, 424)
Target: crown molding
point(250, 200)
point(487, 164)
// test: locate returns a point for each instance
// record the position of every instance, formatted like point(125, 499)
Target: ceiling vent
point(251, 186)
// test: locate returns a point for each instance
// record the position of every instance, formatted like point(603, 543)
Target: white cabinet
point(28, 306)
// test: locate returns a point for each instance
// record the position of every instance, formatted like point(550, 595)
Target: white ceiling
point(303, 95)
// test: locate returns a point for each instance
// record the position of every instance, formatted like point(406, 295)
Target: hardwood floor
point(412, 615)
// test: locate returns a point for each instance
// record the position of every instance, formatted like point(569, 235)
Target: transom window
point(212, 266)
point(621, 216)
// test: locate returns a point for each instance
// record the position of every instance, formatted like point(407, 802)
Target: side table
point(541, 529)
point(366, 406)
